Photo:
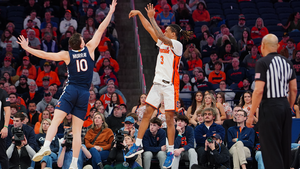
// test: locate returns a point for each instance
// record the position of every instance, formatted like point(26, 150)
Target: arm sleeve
point(223, 156)
point(221, 131)
point(10, 150)
point(87, 140)
point(230, 136)
point(199, 135)
point(30, 151)
point(31, 139)
point(260, 70)
point(55, 146)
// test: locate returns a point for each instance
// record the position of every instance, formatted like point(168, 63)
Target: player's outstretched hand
point(249, 122)
point(22, 41)
point(150, 10)
point(133, 13)
point(113, 6)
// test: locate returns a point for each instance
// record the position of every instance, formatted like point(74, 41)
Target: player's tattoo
point(160, 34)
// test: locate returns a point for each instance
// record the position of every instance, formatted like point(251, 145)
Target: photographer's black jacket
point(23, 160)
point(215, 158)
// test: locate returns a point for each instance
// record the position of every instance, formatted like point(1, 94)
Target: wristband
point(101, 148)
point(237, 139)
point(179, 135)
point(6, 126)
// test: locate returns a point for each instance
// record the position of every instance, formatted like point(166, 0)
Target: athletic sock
point(138, 142)
point(74, 160)
point(47, 143)
point(171, 149)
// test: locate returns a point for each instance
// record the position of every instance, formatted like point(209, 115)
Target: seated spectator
point(165, 18)
point(47, 5)
point(240, 140)
point(238, 29)
point(229, 37)
point(246, 104)
point(45, 114)
point(35, 22)
point(112, 61)
point(98, 140)
point(48, 44)
point(194, 60)
point(104, 90)
point(231, 121)
point(193, 4)
point(83, 7)
point(242, 43)
point(250, 60)
point(207, 129)
point(70, 29)
point(185, 86)
point(216, 76)
point(200, 84)
point(203, 38)
point(83, 19)
point(226, 51)
point(45, 101)
point(99, 18)
point(159, 7)
point(129, 127)
point(223, 88)
point(54, 146)
point(154, 142)
point(6, 68)
point(66, 5)
point(236, 74)
point(176, 5)
point(13, 99)
point(33, 40)
point(114, 100)
point(29, 67)
point(22, 87)
point(220, 33)
point(104, 8)
point(47, 72)
point(11, 27)
point(6, 38)
point(207, 49)
point(20, 152)
point(32, 5)
point(201, 14)
point(182, 15)
point(190, 48)
point(290, 50)
point(29, 26)
point(140, 109)
point(33, 114)
point(283, 42)
point(64, 24)
point(108, 72)
point(210, 66)
point(48, 20)
point(296, 63)
point(89, 119)
point(115, 120)
point(293, 23)
point(216, 154)
point(90, 27)
point(221, 99)
point(259, 30)
point(184, 142)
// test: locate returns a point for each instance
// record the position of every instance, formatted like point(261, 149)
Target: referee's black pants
point(275, 123)
point(3, 156)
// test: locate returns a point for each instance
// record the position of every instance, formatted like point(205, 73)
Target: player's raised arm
point(63, 55)
point(94, 42)
point(160, 35)
point(146, 24)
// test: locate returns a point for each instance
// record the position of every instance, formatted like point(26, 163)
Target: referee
point(274, 79)
point(4, 106)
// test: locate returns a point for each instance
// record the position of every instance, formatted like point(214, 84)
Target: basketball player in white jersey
point(166, 81)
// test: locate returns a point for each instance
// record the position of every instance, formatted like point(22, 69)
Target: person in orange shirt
point(105, 98)
point(89, 120)
point(201, 14)
point(27, 65)
point(45, 115)
point(113, 62)
point(53, 78)
point(103, 40)
point(216, 76)
point(20, 100)
point(92, 100)
point(194, 60)
point(30, 25)
point(159, 7)
point(259, 30)
point(282, 44)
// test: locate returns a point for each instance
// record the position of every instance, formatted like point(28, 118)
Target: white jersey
point(167, 64)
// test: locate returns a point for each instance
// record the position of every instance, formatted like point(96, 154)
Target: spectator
point(32, 5)
point(222, 32)
point(216, 154)
point(99, 18)
point(6, 38)
point(221, 99)
point(203, 38)
point(48, 20)
point(83, 8)
point(108, 72)
point(185, 86)
point(242, 43)
point(47, 72)
point(227, 94)
point(190, 48)
point(90, 27)
point(238, 29)
point(48, 44)
point(229, 37)
point(104, 8)
point(112, 61)
point(165, 18)
point(246, 104)
point(35, 22)
point(105, 98)
point(114, 100)
point(250, 60)
point(54, 146)
point(180, 4)
point(83, 19)
point(193, 4)
point(65, 5)
point(296, 63)
point(226, 51)
point(33, 40)
point(196, 103)
point(259, 30)
point(231, 121)
point(6, 68)
point(33, 114)
point(115, 120)
point(99, 144)
point(210, 66)
point(104, 90)
point(216, 76)
point(29, 26)
point(236, 74)
point(182, 15)
point(207, 129)
point(129, 127)
point(48, 7)
point(68, 21)
point(210, 47)
point(159, 7)
point(201, 14)
point(20, 152)
point(23, 86)
point(140, 108)
point(293, 23)
point(184, 142)
point(240, 140)
point(200, 83)
point(45, 114)
point(283, 42)
point(290, 50)
point(11, 27)
point(13, 98)
point(154, 142)
point(194, 60)
point(45, 101)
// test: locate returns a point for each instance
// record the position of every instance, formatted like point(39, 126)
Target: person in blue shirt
point(154, 142)
point(240, 140)
point(74, 100)
point(207, 129)
point(129, 126)
point(184, 142)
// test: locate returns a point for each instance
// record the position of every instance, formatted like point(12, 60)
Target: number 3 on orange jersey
point(162, 60)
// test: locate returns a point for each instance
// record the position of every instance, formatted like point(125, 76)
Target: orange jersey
point(105, 98)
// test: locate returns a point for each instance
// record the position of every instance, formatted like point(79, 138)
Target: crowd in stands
point(210, 126)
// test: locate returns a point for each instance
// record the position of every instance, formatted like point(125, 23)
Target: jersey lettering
point(162, 60)
point(81, 65)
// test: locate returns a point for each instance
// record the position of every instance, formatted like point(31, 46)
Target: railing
point(138, 48)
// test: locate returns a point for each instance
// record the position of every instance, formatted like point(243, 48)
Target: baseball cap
point(217, 136)
point(25, 58)
point(23, 76)
point(68, 11)
point(7, 59)
point(117, 106)
point(103, 48)
point(110, 79)
point(235, 54)
point(285, 34)
point(210, 35)
point(241, 17)
point(45, 78)
point(85, 1)
point(46, 64)
point(129, 119)
point(47, 94)
point(102, 1)
point(250, 42)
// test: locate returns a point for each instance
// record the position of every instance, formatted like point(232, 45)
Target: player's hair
point(75, 41)
point(156, 120)
point(182, 118)
point(177, 29)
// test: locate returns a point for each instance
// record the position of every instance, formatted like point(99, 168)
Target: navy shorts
point(74, 100)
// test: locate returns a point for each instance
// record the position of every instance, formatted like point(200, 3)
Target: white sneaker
point(88, 167)
point(44, 151)
point(73, 166)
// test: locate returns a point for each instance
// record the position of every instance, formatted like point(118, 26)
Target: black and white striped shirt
point(276, 71)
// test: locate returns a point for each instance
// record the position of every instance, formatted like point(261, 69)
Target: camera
point(119, 138)
point(18, 135)
point(210, 139)
point(68, 141)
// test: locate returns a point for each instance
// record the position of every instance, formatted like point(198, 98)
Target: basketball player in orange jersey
point(166, 81)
